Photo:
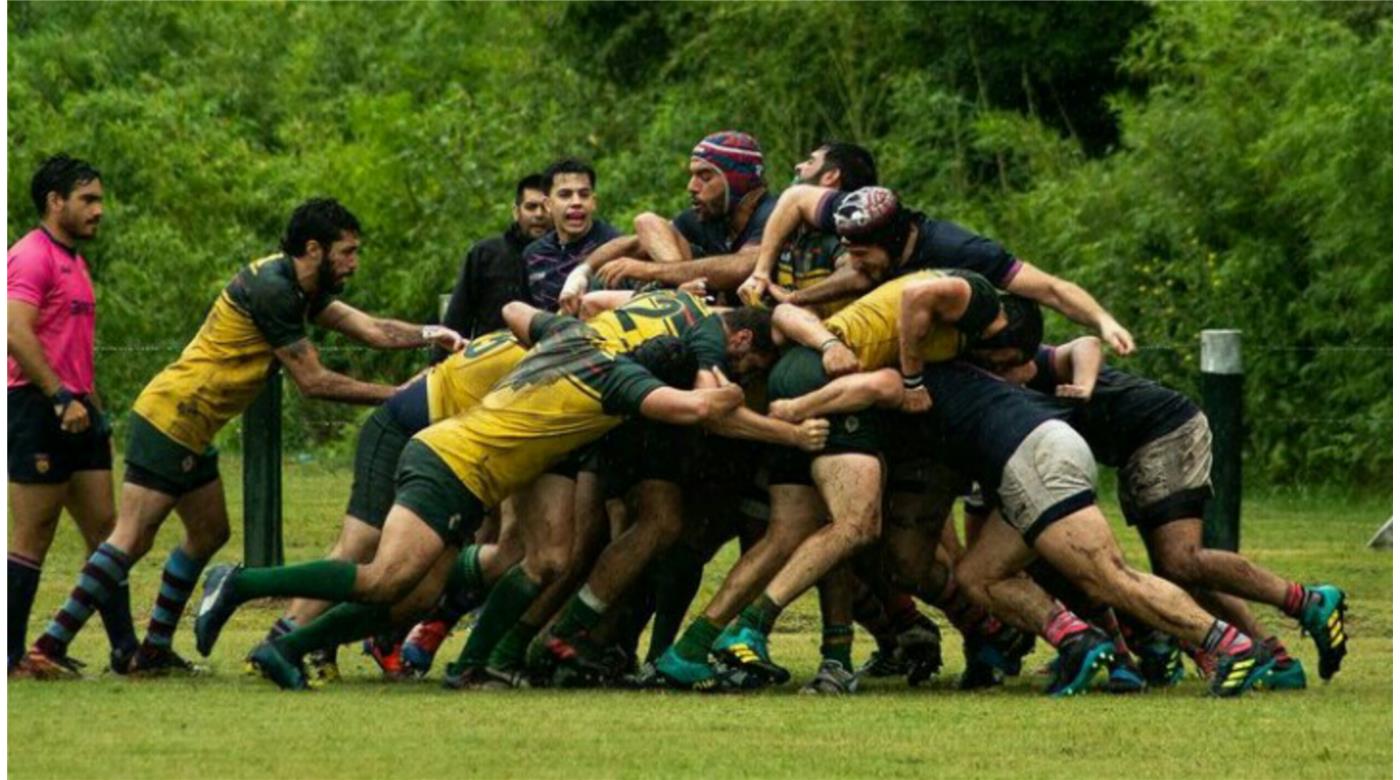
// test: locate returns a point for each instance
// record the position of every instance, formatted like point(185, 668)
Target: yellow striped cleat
point(1324, 619)
point(1238, 672)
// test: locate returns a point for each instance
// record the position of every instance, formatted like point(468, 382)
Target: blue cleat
point(745, 648)
point(278, 668)
point(1080, 659)
point(1236, 673)
point(1124, 677)
point(677, 672)
point(216, 607)
point(1287, 677)
point(1324, 610)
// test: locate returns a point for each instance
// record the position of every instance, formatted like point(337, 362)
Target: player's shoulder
point(34, 247)
point(266, 280)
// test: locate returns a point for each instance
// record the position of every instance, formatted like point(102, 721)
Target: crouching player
point(565, 393)
point(1160, 443)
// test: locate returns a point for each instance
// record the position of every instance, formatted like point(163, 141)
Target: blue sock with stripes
point(177, 582)
point(101, 576)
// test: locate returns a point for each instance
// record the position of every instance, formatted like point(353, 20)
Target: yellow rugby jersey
point(225, 366)
point(870, 327)
point(461, 380)
point(565, 393)
point(807, 258)
point(664, 313)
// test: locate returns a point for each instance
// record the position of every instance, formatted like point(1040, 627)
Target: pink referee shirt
point(41, 272)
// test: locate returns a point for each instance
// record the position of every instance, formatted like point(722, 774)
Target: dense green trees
point(1195, 165)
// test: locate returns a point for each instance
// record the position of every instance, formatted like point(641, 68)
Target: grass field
point(228, 725)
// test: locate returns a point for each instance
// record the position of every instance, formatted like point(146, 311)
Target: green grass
point(229, 725)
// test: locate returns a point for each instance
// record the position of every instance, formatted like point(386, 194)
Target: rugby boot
point(832, 679)
point(1159, 660)
point(1323, 618)
point(677, 672)
point(463, 678)
point(978, 672)
point(883, 663)
point(386, 656)
point(119, 660)
point(421, 645)
point(322, 668)
point(39, 666)
point(504, 679)
point(576, 662)
point(921, 647)
point(1237, 672)
point(216, 607)
point(1081, 656)
point(743, 647)
point(1285, 676)
point(273, 665)
point(1124, 676)
point(151, 661)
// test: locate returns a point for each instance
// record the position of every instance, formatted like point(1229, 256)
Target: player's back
point(870, 326)
point(461, 380)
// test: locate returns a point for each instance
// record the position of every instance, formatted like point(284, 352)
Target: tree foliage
point(1193, 165)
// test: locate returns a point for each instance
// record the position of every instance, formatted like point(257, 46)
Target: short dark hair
point(533, 181)
point(61, 174)
point(668, 359)
point(1025, 327)
point(756, 320)
point(855, 162)
point(567, 165)
point(321, 220)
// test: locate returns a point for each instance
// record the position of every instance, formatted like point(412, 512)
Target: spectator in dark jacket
point(493, 274)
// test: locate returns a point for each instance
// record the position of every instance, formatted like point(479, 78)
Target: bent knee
point(384, 584)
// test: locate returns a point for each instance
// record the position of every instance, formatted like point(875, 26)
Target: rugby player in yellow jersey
point(797, 550)
point(257, 323)
point(738, 341)
point(448, 388)
point(565, 393)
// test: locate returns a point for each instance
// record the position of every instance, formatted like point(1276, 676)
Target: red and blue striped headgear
point(738, 159)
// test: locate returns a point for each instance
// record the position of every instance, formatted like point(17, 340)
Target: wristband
point(913, 381)
point(60, 399)
point(828, 344)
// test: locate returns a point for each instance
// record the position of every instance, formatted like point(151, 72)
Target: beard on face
point(325, 279)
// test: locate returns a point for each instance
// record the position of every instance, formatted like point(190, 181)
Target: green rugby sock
point(676, 580)
point(342, 623)
point(466, 575)
point(583, 613)
point(509, 653)
point(325, 580)
point(509, 600)
point(694, 644)
point(836, 644)
point(760, 615)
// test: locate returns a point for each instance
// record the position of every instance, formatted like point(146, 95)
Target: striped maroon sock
point(1062, 625)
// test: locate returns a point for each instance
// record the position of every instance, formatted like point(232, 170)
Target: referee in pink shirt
point(60, 448)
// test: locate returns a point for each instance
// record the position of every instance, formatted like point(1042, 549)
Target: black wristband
point(913, 382)
point(61, 398)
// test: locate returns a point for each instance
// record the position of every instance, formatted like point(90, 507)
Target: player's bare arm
point(921, 304)
point(1080, 360)
point(850, 393)
point(798, 204)
point(23, 345)
point(721, 272)
point(690, 407)
point(844, 282)
point(313, 380)
point(803, 327)
point(382, 333)
point(1074, 302)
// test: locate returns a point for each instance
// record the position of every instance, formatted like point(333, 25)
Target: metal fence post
point(262, 476)
point(1222, 395)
